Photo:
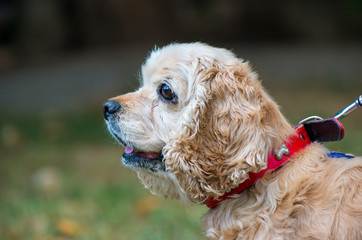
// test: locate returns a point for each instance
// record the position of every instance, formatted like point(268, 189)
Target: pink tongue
point(128, 150)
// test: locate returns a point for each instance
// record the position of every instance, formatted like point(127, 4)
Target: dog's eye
point(166, 93)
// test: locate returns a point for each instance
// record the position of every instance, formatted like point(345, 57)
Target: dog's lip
point(143, 160)
point(148, 156)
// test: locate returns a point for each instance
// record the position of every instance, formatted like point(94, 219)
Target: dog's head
point(199, 123)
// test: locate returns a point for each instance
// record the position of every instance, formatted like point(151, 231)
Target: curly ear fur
point(230, 126)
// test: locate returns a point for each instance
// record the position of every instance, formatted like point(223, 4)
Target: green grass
point(61, 177)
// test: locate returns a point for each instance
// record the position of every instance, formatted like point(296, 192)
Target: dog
point(201, 124)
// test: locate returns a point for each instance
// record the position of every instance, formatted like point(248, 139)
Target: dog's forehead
point(163, 63)
point(181, 59)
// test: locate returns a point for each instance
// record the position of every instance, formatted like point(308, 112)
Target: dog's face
point(199, 123)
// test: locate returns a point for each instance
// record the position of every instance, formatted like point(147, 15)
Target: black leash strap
point(325, 130)
point(330, 129)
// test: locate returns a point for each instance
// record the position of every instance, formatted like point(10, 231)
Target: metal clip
point(311, 118)
point(350, 108)
point(283, 151)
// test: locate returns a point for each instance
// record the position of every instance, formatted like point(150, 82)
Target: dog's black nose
point(110, 107)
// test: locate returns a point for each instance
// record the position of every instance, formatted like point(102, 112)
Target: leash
point(311, 129)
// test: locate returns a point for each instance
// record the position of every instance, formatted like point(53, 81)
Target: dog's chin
point(141, 161)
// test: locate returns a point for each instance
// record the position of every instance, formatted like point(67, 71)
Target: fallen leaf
point(68, 227)
point(146, 206)
point(47, 181)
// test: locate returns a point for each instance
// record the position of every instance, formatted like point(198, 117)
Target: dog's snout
point(110, 107)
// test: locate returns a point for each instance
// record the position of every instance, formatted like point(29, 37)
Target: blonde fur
point(222, 127)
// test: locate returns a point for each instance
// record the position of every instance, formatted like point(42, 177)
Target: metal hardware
point(311, 118)
point(349, 109)
point(283, 151)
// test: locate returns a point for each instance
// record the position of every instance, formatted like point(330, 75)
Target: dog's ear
point(230, 126)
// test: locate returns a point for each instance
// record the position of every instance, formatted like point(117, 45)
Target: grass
point(61, 177)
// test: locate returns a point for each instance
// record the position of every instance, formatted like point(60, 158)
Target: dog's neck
point(322, 130)
point(298, 141)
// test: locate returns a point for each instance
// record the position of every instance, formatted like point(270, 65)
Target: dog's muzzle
point(131, 158)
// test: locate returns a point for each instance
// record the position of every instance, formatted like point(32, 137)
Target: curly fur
point(223, 127)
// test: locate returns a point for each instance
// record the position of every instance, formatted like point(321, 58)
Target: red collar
point(293, 145)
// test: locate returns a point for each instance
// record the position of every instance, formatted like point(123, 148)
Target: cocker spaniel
point(201, 125)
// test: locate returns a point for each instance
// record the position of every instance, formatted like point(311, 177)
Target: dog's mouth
point(143, 160)
point(137, 159)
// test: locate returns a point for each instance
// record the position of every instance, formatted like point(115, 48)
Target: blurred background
point(60, 172)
